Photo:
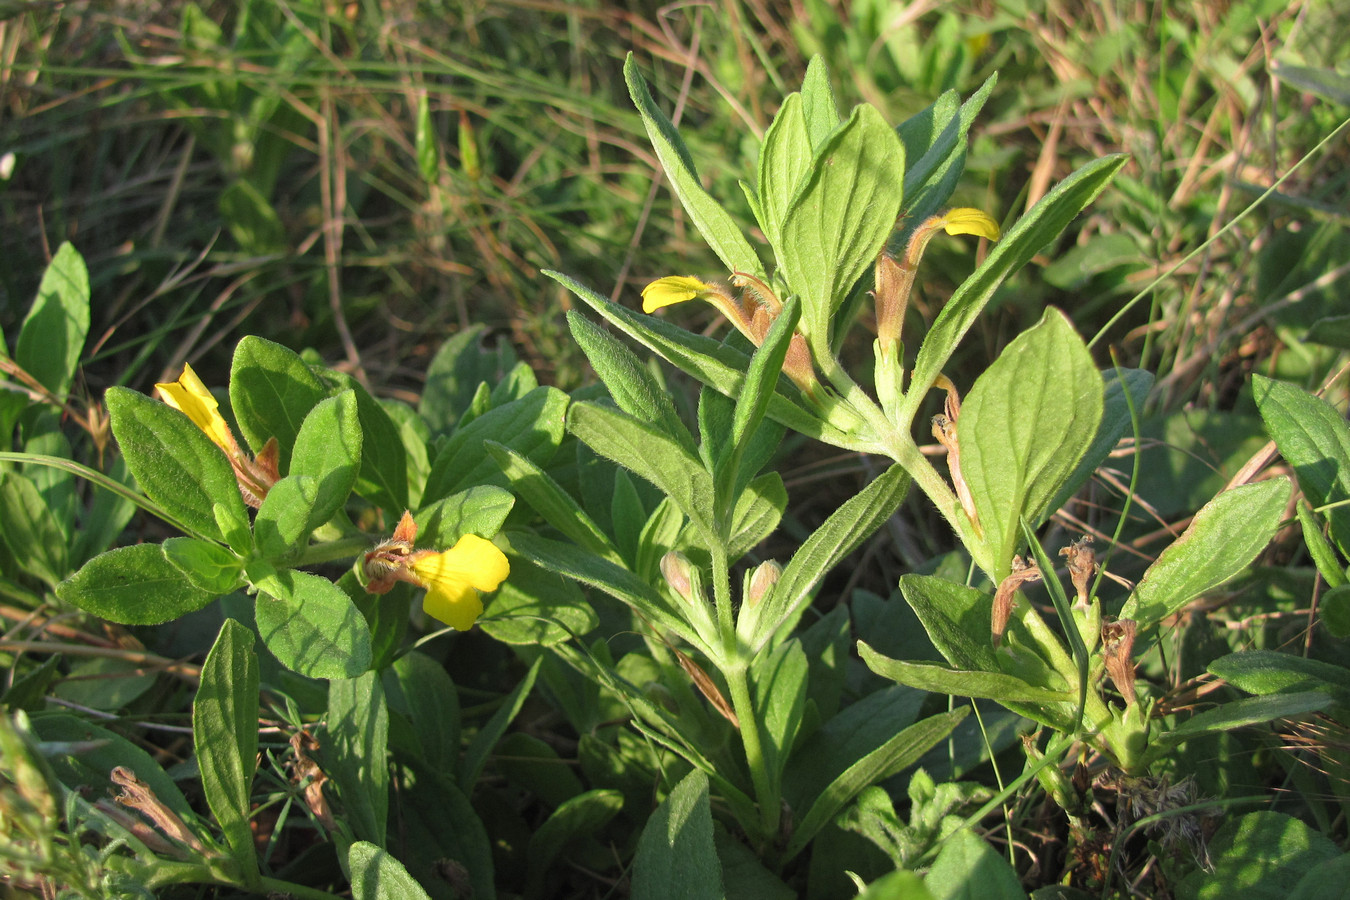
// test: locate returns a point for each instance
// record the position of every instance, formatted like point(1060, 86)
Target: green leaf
point(539, 608)
point(629, 382)
point(676, 859)
point(480, 510)
point(312, 626)
point(1240, 714)
point(1259, 856)
point(328, 449)
point(1324, 557)
point(576, 819)
point(1326, 83)
point(1024, 427)
point(1027, 237)
point(282, 526)
point(207, 565)
point(779, 680)
point(840, 218)
point(956, 617)
point(225, 737)
point(761, 380)
point(935, 153)
point(251, 219)
point(1222, 539)
point(459, 367)
point(358, 733)
point(1116, 420)
point(476, 756)
point(531, 426)
point(178, 467)
point(419, 687)
point(898, 885)
point(901, 751)
point(54, 331)
point(784, 159)
point(1269, 672)
point(1334, 610)
point(840, 534)
point(1329, 879)
point(324, 466)
point(1313, 438)
point(376, 875)
point(650, 454)
point(967, 868)
point(27, 526)
point(133, 585)
point(618, 582)
point(94, 751)
point(712, 221)
point(436, 823)
point(272, 390)
point(959, 682)
point(757, 514)
point(717, 365)
point(424, 142)
point(818, 106)
point(383, 479)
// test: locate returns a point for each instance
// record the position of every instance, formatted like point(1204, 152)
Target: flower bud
point(680, 575)
point(762, 581)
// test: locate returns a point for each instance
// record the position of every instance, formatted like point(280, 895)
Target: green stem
point(766, 784)
point(334, 550)
point(726, 620)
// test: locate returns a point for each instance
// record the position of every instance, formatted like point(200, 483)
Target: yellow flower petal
point(970, 221)
point(189, 396)
point(453, 578)
point(671, 290)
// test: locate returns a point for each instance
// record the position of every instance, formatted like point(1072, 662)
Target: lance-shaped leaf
point(935, 153)
point(53, 333)
point(324, 467)
point(377, 875)
point(890, 758)
point(532, 426)
point(178, 467)
point(644, 450)
point(959, 682)
point(715, 364)
point(784, 158)
point(618, 582)
point(1315, 439)
point(676, 859)
point(548, 498)
point(712, 221)
point(225, 737)
point(818, 106)
point(630, 383)
point(841, 216)
point(1222, 539)
point(133, 585)
point(849, 525)
point(1023, 429)
point(272, 390)
point(311, 625)
point(358, 733)
point(1027, 237)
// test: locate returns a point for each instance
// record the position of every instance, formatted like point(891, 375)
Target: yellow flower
point(966, 220)
point(454, 577)
point(672, 289)
point(255, 475)
point(189, 396)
